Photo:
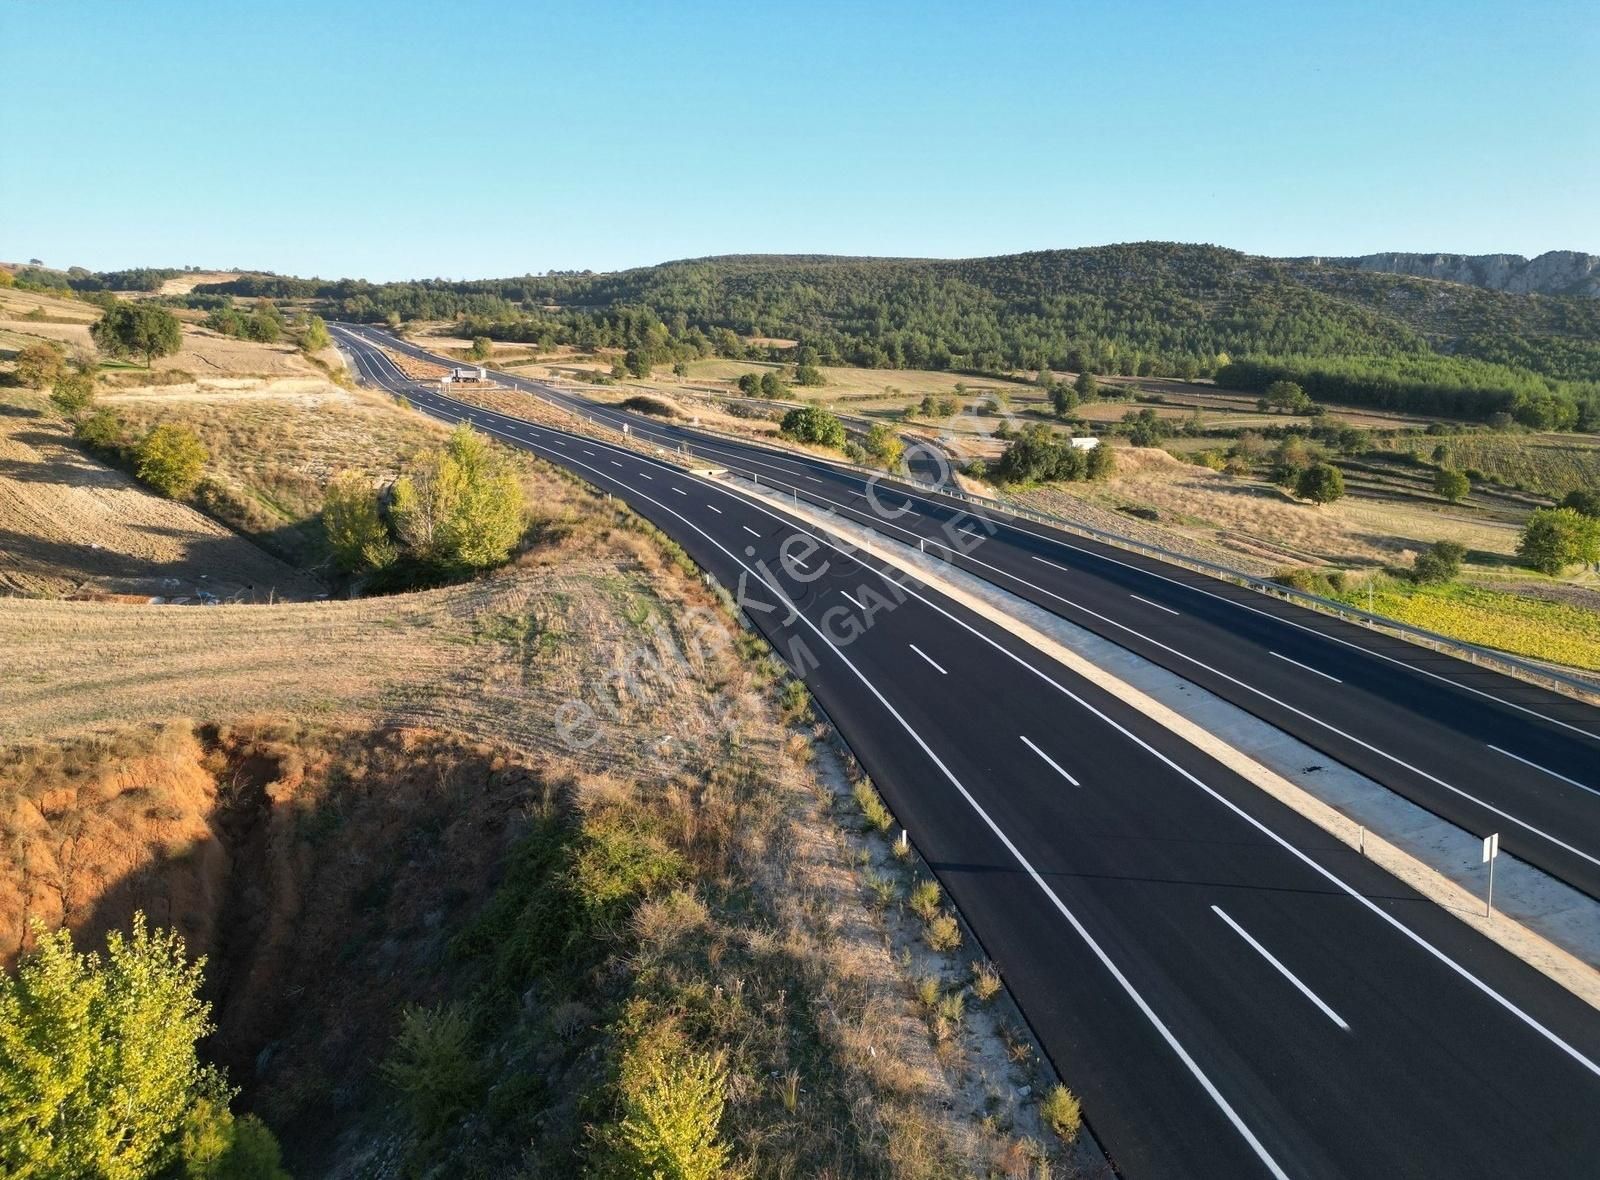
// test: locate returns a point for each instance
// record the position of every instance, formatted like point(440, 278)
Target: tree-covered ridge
point(1148, 308)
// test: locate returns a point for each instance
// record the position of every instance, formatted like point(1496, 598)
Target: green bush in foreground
point(672, 1113)
point(98, 1071)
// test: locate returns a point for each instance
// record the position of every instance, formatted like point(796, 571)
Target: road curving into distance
point(1485, 751)
point(1232, 991)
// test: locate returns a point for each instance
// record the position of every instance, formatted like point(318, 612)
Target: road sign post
point(1491, 853)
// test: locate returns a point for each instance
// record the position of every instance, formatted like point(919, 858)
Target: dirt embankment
point(277, 851)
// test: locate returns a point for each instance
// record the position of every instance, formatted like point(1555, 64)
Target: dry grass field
point(1262, 525)
point(71, 525)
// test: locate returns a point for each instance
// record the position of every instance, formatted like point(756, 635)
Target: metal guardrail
point(1569, 685)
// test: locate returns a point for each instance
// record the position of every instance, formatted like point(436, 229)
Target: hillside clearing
point(71, 525)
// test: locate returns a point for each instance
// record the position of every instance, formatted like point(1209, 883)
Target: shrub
point(170, 459)
point(73, 393)
point(644, 404)
point(925, 899)
point(872, 808)
point(1321, 483)
point(431, 1064)
point(315, 336)
point(808, 375)
point(218, 1146)
point(40, 365)
point(884, 447)
point(354, 527)
point(985, 980)
point(773, 384)
point(943, 933)
point(100, 431)
point(460, 507)
point(671, 1118)
point(1440, 562)
point(1062, 1113)
point(482, 348)
point(1583, 500)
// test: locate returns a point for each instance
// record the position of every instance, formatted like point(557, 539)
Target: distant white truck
point(470, 374)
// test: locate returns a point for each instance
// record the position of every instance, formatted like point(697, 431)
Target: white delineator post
point(1491, 853)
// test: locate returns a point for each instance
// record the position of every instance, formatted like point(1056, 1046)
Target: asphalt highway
point(1486, 751)
point(1232, 992)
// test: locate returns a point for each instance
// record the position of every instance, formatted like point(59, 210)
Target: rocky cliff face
point(1558, 272)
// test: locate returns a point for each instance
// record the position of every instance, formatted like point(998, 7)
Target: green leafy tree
point(265, 325)
point(813, 424)
point(138, 329)
point(73, 393)
point(1321, 483)
point(671, 1119)
point(1452, 485)
point(460, 507)
point(1063, 399)
point(482, 348)
point(1087, 387)
point(98, 1070)
point(773, 384)
point(40, 364)
point(314, 337)
point(807, 374)
point(1555, 538)
point(884, 447)
point(170, 459)
point(750, 384)
point(1288, 396)
point(637, 362)
point(354, 526)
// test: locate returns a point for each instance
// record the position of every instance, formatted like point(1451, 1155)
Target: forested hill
point(1143, 308)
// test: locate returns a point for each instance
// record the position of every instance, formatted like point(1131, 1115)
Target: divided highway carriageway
point(1233, 992)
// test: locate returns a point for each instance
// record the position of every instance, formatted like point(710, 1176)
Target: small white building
point(1084, 444)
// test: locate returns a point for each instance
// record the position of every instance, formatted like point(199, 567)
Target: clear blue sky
point(391, 140)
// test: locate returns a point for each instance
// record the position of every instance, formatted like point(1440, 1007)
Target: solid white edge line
point(1321, 870)
point(1307, 667)
point(1157, 605)
point(927, 657)
point(1282, 970)
point(1182, 655)
point(1054, 765)
point(1553, 774)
